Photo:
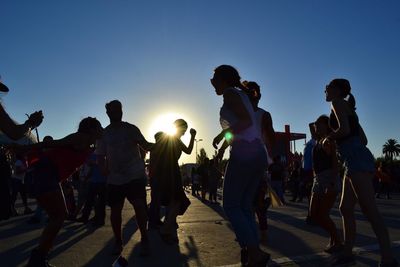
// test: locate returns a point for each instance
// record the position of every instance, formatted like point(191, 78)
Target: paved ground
point(206, 239)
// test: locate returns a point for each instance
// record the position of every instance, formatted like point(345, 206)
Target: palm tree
point(391, 149)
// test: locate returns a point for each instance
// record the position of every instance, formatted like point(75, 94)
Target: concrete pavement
point(206, 239)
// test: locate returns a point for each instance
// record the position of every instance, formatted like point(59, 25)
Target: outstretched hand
point(217, 140)
point(35, 119)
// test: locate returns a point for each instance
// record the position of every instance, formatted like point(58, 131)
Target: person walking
point(359, 165)
point(326, 184)
point(171, 192)
point(247, 162)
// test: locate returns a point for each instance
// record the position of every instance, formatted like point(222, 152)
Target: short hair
point(113, 103)
point(181, 123)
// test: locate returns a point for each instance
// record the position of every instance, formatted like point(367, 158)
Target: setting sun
point(164, 123)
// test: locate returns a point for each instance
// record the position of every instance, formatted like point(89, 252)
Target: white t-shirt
point(119, 145)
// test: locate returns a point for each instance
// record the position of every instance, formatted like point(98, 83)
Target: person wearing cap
point(15, 132)
point(10, 128)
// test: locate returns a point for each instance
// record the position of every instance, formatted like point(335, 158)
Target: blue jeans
point(245, 170)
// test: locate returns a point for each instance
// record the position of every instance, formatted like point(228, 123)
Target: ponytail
point(352, 101)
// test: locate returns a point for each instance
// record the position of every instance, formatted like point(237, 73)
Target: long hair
point(345, 90)
point(230, 75)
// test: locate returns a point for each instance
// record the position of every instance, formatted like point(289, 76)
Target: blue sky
point(69, 58)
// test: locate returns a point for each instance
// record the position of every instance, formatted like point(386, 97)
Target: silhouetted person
point(155, 163)
point(18, 183)
point(51, 163)
point(15, 132)
point(171, 191)
point(277, 174)
point(359, 166)
point(96, 196)
point(215, 176)
point(326, 184)
point(38, 215)
point(264, 121)
point(121, 161)
point(204, 171)
point(248, 160)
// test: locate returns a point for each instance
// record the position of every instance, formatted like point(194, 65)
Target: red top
point(66, 160)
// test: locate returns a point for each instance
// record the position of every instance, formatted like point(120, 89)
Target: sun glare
point(164, 123)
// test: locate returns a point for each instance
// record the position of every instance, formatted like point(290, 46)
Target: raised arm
point(339, 109)
point(15, 131)
point(189, 149)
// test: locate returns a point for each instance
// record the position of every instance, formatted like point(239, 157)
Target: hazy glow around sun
point(164, 123)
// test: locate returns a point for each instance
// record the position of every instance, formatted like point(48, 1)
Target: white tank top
point(228, 118)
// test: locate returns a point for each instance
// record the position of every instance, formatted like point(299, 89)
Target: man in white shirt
point(125, 171)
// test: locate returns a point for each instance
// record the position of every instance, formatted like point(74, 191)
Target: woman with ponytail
point(247, 162)
point(359, 166)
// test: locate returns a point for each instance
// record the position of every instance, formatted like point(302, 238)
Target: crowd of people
point(109, 167)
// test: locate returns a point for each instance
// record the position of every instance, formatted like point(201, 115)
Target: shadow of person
point(104, 256)
point(168, 255)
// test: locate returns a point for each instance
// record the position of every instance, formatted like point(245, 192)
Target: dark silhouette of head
point(340, 88)
point(114, 111)
point(159, 136)
point(225, 76)
point(253, 92)
point(90, 126)
point(47, 138)
point(321, 126)
point(181, 127)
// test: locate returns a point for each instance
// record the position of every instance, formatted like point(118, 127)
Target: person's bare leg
point(326, 204)
point(141, 216)
point(173, 211)
point(116, 221)
point(362, 185)
point(54, 205)
point(347, 204)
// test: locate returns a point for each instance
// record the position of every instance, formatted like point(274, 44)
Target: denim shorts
point(324, 181)
point(355, 156)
